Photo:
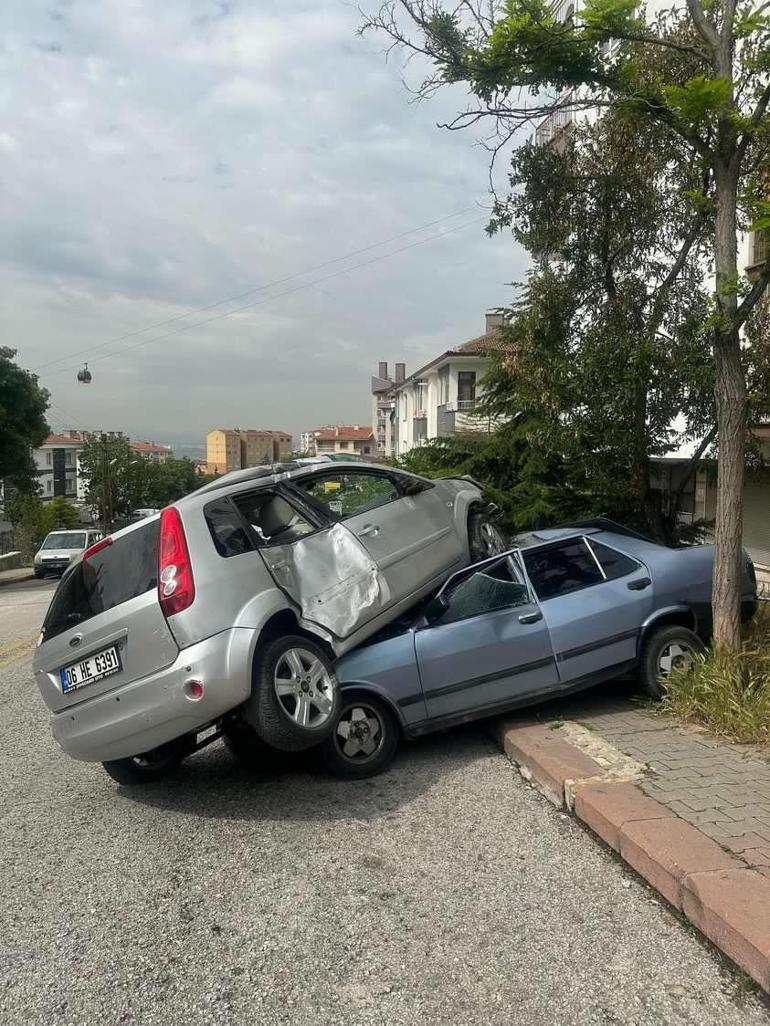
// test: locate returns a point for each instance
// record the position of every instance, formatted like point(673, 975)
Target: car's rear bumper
point(149, 712)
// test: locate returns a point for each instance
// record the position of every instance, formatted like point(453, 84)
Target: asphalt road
point(445, 891)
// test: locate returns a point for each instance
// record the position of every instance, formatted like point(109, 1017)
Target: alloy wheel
point(359, 733)
point(304, 687)
point(675, 656)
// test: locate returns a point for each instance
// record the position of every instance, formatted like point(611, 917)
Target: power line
point(287, 292)
point(248, 292)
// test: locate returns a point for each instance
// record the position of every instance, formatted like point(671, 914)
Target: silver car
point(225, 613)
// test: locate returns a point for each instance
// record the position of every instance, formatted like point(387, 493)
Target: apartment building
point(229, 449)
point(441, 398)
point(58, 466)
point(58, 462)
point(152, 451)
point(350, 439)
point(384, 408)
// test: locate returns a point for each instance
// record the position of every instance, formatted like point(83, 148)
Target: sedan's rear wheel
point(296, 694)
point(364, 740)
point(670, 648)
point(485, 538)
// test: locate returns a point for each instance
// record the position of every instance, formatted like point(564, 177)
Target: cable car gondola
point(84, 375)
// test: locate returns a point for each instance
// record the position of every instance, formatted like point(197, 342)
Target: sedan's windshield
point(65, 540)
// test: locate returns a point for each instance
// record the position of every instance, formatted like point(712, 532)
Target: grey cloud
point(175, 154)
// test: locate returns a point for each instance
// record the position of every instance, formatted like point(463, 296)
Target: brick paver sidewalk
point(722, 789)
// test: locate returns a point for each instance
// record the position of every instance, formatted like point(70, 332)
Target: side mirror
point(436, 608)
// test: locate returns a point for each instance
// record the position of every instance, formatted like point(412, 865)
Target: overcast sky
point(160, 157)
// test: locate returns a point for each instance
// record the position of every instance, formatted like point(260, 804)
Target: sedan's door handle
point(640, 584)
point(531, 617)
point(369, 529)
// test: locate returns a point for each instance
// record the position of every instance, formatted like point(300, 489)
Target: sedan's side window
point(614, 564)
point(343, 495)
point(499, 586)
point(561, 569)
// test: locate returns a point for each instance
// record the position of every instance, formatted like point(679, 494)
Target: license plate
point(88, 671)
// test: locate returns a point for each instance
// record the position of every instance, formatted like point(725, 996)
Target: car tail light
point(97, 547)
point(176, 588)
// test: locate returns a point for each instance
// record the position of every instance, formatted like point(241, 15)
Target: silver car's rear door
point(405, 524)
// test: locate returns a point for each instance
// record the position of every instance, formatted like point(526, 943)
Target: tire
point(663, 649)
point(245, 745)
point(148, 767)
point(372, 749)
point(39, 574)
point(485, 538)
point(296, 697)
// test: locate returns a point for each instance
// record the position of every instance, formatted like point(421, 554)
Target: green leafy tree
point(58, 514)
point(112, 475)
point(607, 341)
point(521, 62)
point(23, 425)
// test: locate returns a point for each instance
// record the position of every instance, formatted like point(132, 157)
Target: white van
point(60, 548)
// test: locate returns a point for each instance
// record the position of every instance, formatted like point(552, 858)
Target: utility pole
point(106, 489)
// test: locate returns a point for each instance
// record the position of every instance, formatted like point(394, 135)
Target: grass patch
point(728, 692)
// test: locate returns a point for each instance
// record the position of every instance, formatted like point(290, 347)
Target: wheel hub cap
point(304, 687)
point(674, 657)
point(359, 733)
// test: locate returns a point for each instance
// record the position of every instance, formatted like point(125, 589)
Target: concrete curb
point(16, 576)
point(726, 901)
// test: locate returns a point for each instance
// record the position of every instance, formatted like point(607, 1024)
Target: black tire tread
point(269, 720)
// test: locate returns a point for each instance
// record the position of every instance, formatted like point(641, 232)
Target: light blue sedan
point(566, 609)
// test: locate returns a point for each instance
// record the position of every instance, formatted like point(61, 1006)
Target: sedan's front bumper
point(149, 712)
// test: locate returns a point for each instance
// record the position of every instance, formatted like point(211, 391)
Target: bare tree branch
point(758, 113)
point(702, 24)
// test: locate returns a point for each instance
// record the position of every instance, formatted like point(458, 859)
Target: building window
point(443, 386)
point(466, 390)
point(49, 458)
point(48, 486)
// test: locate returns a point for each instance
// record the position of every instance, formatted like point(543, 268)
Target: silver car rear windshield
point(119, 572)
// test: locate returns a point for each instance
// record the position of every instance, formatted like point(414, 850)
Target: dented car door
point(331, 577)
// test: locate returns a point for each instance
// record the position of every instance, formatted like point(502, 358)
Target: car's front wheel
point(485, 538)
point(364, 740)
point(296, 696)
point(667, 649)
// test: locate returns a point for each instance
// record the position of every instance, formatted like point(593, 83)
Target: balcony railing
point(554, 125)
point(759, 249)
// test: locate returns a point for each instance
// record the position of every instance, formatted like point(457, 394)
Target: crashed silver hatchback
point(225, 613)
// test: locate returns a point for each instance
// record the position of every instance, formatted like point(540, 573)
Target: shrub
point(728, 692)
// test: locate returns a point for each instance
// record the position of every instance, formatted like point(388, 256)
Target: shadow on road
point(213, 785)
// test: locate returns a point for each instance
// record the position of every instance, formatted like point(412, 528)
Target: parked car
point(240, 596)
point(565, 610)
point(59, 548)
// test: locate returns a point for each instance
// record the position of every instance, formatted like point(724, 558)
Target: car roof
point(274, 472)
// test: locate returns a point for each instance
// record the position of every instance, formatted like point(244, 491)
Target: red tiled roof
point(150, 447)
point(72, 439)
point(346, 431)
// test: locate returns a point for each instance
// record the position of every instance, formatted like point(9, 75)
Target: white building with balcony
point(441, 398)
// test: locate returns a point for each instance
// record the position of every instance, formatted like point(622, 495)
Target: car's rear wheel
point(364, 740)
point(667, 649)
point(485, 538)
point(149, 766)
point(296, 695)
point(246, 746)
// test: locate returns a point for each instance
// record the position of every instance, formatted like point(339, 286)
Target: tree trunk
point(730, 394)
